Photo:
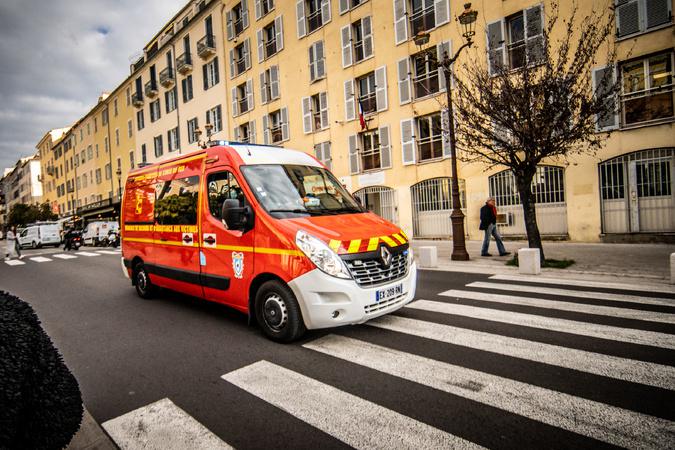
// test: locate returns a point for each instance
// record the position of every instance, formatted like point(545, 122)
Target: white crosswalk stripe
point(108, 252)
point(650, 374)
point(629, 429)
point(586, 283)
point(314, 402)
point(609, 311)
point(14, 262)
point(64, 256)
point(159, 426)
point(87, 253)
point(40, 259)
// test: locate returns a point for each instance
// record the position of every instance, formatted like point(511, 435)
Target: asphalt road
point(494, 366)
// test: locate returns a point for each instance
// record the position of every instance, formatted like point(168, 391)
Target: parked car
point(96, 233)
point(36, 236)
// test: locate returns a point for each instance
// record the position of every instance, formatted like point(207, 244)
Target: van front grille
point(372, 272)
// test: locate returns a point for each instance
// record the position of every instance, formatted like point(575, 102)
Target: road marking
point(88, 254)
point(108, 252)
point(650, 374)
point(161, 425)
point(640, 337)
point(355, 421)
point(40, 259)
point(14, 262)
point(578, 415)
point(624, 313)
point(585, 283)
point(572, 293)
point(64, 256)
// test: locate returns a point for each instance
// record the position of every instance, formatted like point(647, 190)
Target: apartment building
point(45, 150)
point(21, 184)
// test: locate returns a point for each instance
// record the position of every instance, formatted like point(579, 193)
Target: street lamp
point(118, 172)
point(468, 22)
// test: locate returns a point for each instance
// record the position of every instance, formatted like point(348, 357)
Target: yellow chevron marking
point(354, 246)
point(389, 241)
point(399, 238)
point(334, 245)
point(405, 236)
point(372, 244)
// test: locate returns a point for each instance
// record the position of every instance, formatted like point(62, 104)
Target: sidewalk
point(648, 263)
point(91, 436)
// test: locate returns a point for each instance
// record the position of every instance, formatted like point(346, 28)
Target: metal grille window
point(422, 16)
point(432, 205)
point(653, 178)
point(429, 137)
point(381, 200)
point(612, 183)
point(647, 89)
point(425, 75)
point(547, 186)
point(367, 96)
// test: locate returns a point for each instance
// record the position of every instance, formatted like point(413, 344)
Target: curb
point(91, 436)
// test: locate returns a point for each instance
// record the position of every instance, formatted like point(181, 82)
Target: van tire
point(33, 245)
point(144, 287)
point(278, 312)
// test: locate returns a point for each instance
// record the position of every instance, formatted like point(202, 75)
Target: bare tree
point(547, 108)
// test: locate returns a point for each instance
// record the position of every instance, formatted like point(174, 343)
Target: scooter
point(113, 239)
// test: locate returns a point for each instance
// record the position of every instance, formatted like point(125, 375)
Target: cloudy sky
point(57, 56)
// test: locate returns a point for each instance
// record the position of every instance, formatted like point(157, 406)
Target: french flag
point(362, 120)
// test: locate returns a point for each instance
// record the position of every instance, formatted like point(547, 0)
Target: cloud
point(58, 56)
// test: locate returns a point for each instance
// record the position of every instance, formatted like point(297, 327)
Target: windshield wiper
point(296, 211)
point(347, 209)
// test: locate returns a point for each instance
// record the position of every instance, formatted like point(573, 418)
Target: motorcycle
point(113, 239)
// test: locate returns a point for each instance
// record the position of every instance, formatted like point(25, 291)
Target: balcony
point(151, 89)
point(166, 77)
point(137, 100)
point(206, 46)
point(184, 63)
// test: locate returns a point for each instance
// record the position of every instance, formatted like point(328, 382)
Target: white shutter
point(381, 88)
point(327, 159)
point(237, 134)
point(235, 103)
point(247, 53)
point(367, 37)
point(346, 40)
point(249, 94)
point(274, 82)
point(441, 49)
point(385, 147)
point(244, 14)
point(320, 60)
point(266, 129)
point(354, 159)
point(603, 79)
point(261, 45)
point(312, 62)
point(325, 12)
point(350, 103)
point(251, 132)
point(306, 115)
point(403, 67)
point(627, 18)
point(232, 72)
point(400, 21)
point(229, 25)
point(658, 12)
point(441, 11)
point(300, 15)
point(323, 107)
point(279, 33)
point(284, 124)
point(344, 6)
point(258, 10)
point(496, 46)
point(408, 141)
point(534, 34)
point(445, 132)
point(263, 88)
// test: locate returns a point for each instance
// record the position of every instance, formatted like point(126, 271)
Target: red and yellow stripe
point(367, 245)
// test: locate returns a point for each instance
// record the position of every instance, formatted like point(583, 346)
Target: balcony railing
point(240, 66)
point(277, 134)
point(166, 77)
point(243, 105)
point(270, 47)
point(314, 20)
point(184, 63)
point(368, 103)
point(137, 99)
point(206, 46)
point(151, 89)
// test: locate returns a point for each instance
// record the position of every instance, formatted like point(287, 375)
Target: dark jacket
point(487, 217)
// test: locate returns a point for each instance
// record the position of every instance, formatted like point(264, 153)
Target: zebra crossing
point(50, 257)
point(585, 364)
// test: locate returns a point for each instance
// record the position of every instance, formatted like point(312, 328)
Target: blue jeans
point(492, 230)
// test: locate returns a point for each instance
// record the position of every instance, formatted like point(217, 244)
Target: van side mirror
point(236, 217)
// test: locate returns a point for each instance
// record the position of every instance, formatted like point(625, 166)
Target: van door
point(176, 232)
point(228, 258)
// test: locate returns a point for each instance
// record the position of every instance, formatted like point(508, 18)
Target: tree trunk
point(527, 199)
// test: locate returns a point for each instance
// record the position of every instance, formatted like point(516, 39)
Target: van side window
point(176, 201)
point(223, 186)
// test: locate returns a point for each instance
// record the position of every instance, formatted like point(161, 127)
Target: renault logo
point(385, 254)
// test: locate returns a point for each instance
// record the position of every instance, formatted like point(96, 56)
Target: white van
point(96, 231)
point(36, 236)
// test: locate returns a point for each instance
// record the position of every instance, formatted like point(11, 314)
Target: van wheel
point(33, 245)
point(278, 312)
point(144, 286)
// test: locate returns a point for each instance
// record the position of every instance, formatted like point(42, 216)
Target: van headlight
point(411, 257)
point(321, 255)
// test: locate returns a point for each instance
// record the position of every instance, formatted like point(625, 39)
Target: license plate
point(387, 293)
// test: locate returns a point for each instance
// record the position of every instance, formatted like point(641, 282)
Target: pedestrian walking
point(488, 223)
point(12, 246)
point(68, 240)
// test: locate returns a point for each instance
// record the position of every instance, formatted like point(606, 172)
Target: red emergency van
point(266, 230)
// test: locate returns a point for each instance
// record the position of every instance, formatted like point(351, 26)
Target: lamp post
point(467, 20)
point(118, 172)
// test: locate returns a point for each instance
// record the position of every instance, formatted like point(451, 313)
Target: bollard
point(427, 256)
point(529, 261)
point(672, 268)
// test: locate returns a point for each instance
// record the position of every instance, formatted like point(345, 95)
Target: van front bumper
point(326, 301)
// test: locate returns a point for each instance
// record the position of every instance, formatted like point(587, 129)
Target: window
point(270, 39)
point(115, 111)
point(176, 201)
point(170, 100)
point(96, 151)
point(315, 112)
point(322, 153)
point(237, 20)
point(516, 40)
point(108, 171)
point(172, 139)
point(155, 111)
point(245, 132)
point(128, 96)
point(117, 137)
point(346, 5)
point(357, 41)
point(104, 117)
point(242, 98)
point(317, 61)
point(312, 15)
point(88, 128)
point(215, 118)
point(81, 134)
point(159, 146)
point(429, 137)
point(369, 150)
point(263, 7)
point(366, 93)
point(90, 153)
point(422, 16)
point(425, 74)
point(653, 178)
point(240, 58)
point(95, 125)
point(144, 154)
point(223, 186)
point(130, 128)
point(106, 145)
point(192, 126)
point(140, 120)
point(275, 126)
point(131, 159)
point(211, 76)
point(370, 153)
point(269, 84)
point(639, 16)
point(186, 84)
point(647, 89)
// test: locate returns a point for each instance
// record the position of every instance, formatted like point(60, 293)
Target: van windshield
point(291, 190)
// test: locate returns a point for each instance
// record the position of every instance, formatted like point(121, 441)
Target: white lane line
point(355, 421)
point(40, 259)
point(64, 256)
point(651, 338)
point(14, 262)
point(624, 313)
point(584, 283)
point(572, 293)
point(88, 254)
point(597, 420)
point(650, 374)
point(161, 425)
point(108, 252)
